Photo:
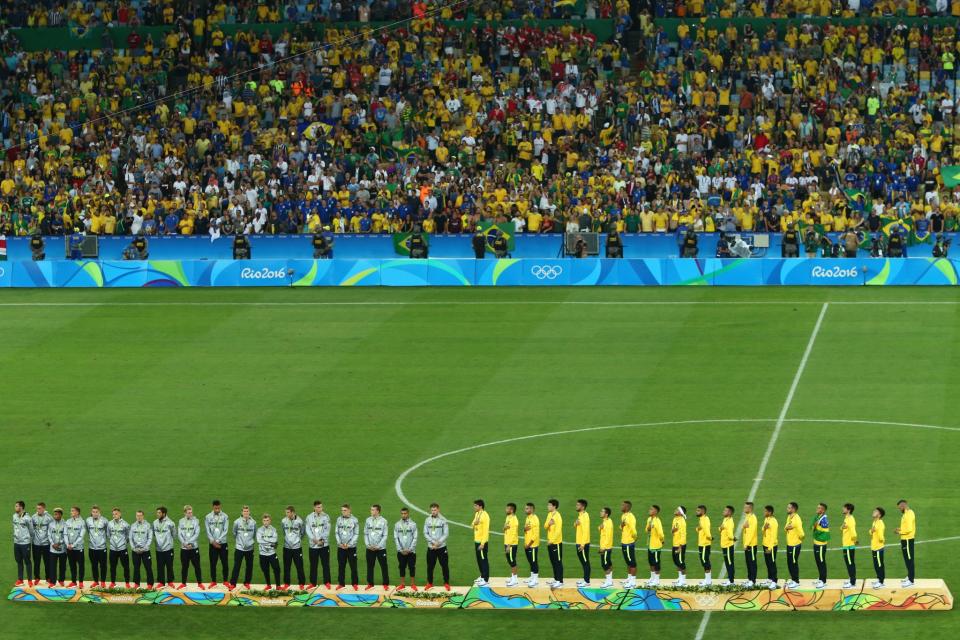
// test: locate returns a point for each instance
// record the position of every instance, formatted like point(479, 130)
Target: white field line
point(459, 303)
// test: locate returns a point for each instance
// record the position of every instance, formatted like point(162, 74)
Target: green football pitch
point(669, 396)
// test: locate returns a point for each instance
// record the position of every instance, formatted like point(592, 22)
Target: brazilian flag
point(401, 242)
point(490, 229)
point(802, 226)
point(951, 175)
point(853, 194)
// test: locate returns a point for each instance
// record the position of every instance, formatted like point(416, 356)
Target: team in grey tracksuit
point(22, 539)
point(267, 544)
point(216, 525)
point(75, 532)
point(318, 539)
point(405, 537)
point(118, 530)
point(41, 542)
point(57, 558)
point(163, 532)
point(139, 540)
point(293, 547)
point(347, 535)
point(188, 533)
point(375, 534)
point(436, 530)
point(244, 535)
point(97, 547)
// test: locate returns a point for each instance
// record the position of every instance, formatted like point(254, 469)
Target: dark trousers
point(142, 559)
point(190, 557)
point(483, 559)
point(653, 559)
point(751, 555)
point(433, 557)
point(629, 554)
point(680, 558)
point(377, 557)
point(510, 551)
point(56, 567)
point(820, 557)
point(849, 561)
point(98, 564)
point(268, 563)
point(793, 562)
point(320, 556)
point(533, 554)
point(906, 546)
point(295, 557)
point(345, 556)
point(555, 551)
point(124, 559)
point(728, 563)
point(21, 552)
point(770, 559)
point(244, 558)
point(165, 566)
point(219, 556)
point(583, 555)
point(41, 554)
point(878, 566)
point(705, 558)
point(407, 562)
point(606, 560)
point(77, 565)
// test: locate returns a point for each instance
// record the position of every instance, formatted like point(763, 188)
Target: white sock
point(609, 576)
point(706, 576)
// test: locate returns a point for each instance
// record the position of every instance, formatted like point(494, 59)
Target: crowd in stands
point(799, 8)
point(440, 124)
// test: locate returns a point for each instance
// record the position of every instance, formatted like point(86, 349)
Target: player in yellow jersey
point(628, 542)
point(531, 543)
point(793, 529)
point(606, 547)
point(877, 541)
point(769, 540)
point(511, 540)
point(582, 529)
point(821, 536)
point(554, 527)
point(704, 540)
point(654, 529)
point(908, 533)
point(678, 544)
point(848, 542)
point(728, 539)
point(749, 535)
point(481, 536)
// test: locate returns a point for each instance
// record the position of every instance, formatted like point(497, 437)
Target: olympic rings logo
point(546, 272)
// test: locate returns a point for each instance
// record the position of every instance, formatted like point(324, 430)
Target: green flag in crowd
point(401, 242)
point(951, 175)
point(490, 233)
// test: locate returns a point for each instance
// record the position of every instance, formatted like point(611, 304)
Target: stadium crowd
point(442, 124)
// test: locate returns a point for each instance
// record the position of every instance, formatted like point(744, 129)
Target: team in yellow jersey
point(754, 535)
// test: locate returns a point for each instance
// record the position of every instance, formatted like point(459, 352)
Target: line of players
point(57, 542)
point(752, 534)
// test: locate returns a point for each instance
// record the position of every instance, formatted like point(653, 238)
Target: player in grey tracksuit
point(57, 567)
point(97, 546)
point(292, 526)
point(140, 540)
point(405, 537)
point(267, 546)
point(188, 533)
point(347, 535)
point(375, 534)
point(163, 532)
point(22, 539)
point(118, 530)
point(436, 530)
point(244, 535)
point(217, 524)
point(75, 532)
point(41, 541)
point(317, 524)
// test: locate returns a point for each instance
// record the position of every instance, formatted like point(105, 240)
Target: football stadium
point(577, 316)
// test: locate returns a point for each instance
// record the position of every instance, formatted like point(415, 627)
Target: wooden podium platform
point(925, 595)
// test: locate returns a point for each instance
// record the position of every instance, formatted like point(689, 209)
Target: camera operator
point(140, 244)
point(941, 247)
point(614, 244)
point(739, 247)
point(811, 241)
point(723, 246)
point(851, 243)
point(877, 249)
point(827, 248)
point(689, 247)
point(37, 249)
point(322, 246)
point(580, 248)
point(241, 247)
point(130, 252)
point(790, 245)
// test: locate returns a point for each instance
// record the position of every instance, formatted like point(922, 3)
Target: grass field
point(269, 397)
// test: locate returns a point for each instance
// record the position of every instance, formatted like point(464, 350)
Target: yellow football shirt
point(848, 533)
point(481, 526)
point(554, 527)
point(794, 536)
point(582, 526)
point(655, 533)
point(770, 532)
point(511, 530)
point(877, 538)
point(908, 525)
point(704, 535)
point(727, 529)
point(628, 528)
point(531, 531)
point(679, 529)
point(749, 535)
point(606, 534)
